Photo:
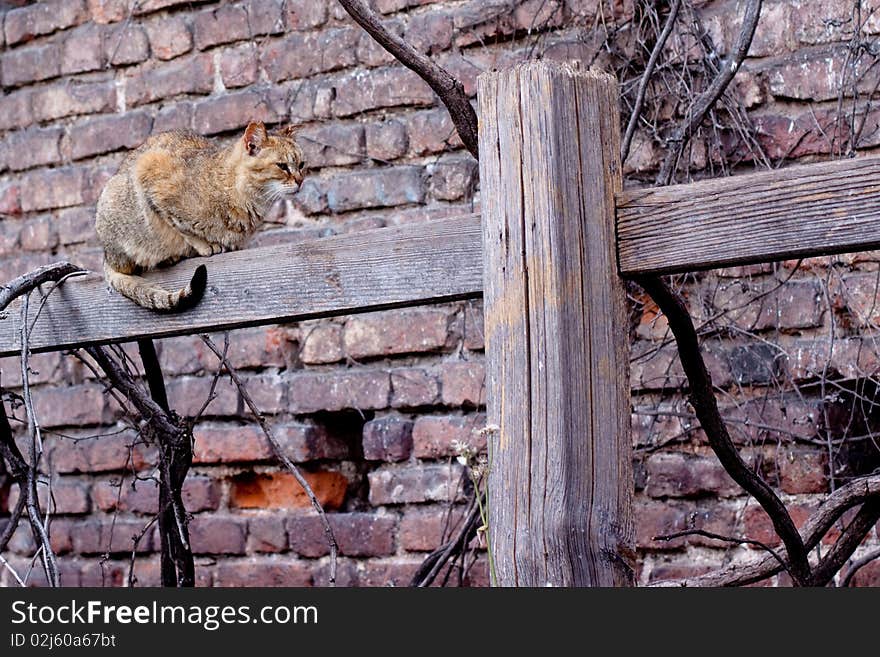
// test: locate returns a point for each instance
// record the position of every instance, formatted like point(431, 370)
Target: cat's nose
point(298, 177)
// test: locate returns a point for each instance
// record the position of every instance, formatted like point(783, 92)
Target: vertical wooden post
point(560, 479)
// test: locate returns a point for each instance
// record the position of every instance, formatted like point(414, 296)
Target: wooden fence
point(556, 238)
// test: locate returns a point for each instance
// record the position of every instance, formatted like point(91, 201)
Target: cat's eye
point(283, 166)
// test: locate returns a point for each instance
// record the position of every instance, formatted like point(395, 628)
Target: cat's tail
point(154, 297)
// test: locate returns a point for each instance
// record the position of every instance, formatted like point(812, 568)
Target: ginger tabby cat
point(179, 195)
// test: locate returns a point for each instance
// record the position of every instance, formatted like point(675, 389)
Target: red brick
point(303, 55)
point(82, 50)
point(71, 406)
point(370, 53)
point(169, 37)
point(333, 145)
point(238, 66)
point(321, 343)
point(253, 348)
point(389, 87)
point(10, 199)
point(233, 111)
point(230, 444)
point(803, 471)
point(199, 494)
point(267, 534)
point(685, 475)
point(430, 32)
point(110, 133)
point(388, 439)
point(757, 525)
point(426, 529)
point(189, 75)
point(356, 534)
point(38, 234)
point(284, 572)
point(110, 535)
point(174, 117)
point(795, 305)
point(435, 436)
point(398, 571)
point(268, 392)
point(305, 442)
point(108, 11)
point(217, 535)
point(68, 98)
point(31, 148)
point(68, 497)
point(412, 387)
point(387, 140)
point(473, 327)
point(336, 391)
point(89, 455)
point(221, 25)
point(305, 14)
point(868, 575)
point(452, 180)
point(429, 132)
point(264, 16)
point(44, 17)
point(280, 490)
point(403, 484)
point(377, 188)
point(673, 570)
point(75, 225)
point(24, 65)
point(126, 44)
point(15, 109)
point(398, 332)
point(188, 395)
point(463, 383)
point(147, 6)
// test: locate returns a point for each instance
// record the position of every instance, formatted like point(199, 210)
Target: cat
point(180, 195)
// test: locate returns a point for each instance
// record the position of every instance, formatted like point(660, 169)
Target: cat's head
point(274, 161)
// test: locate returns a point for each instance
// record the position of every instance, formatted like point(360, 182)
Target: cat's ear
point(289, 131)
point(254, 137)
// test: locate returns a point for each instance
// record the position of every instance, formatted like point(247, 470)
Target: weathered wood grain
point(814, 209)
point(560, 480)
point(384, 268)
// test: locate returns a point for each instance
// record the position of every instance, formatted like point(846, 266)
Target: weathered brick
point(126, 44)
point(302, 55)
point(473, 327)
point(333, 145)
point(678, 474)
point(24, 65)
point(230, 444)
point(86, 454)
point(83, 50)
point(371, 53)
point(210, 534)
point(321, 343)
point(110, 133)
point(305, 14)
point(267, 534)
point(357, 534)
point(280, 490)
point(238, 66)
point(412, 387)
point(400, 332)
point(16, 109)
point(404, 484)
point(336, 391)
point(233, 111)
point(111, 535)
point(285, 572)
point(426, 529)
point(429, 132)
point(307, 442)
point(174, 117)
point(148, 6)
point(75, 225)
point(33, 147)
point(463, 383)
point(389, 87)
point(188, 394)
point(38, 234)
point(108, 11)
point(68, 497)
point(377, 188)
point(436, 436)
point(199, 494)
point(388, 439)
point(73, 97)
point(44, 17)
point(169, 37)
point(757, 525)
point(189, 75)
point(10, 199)
point(451, 180)
point(264, 16)
point(224, 24)
point(803, 471)
point(430, 32)
point(386, 140)
point(72, 406)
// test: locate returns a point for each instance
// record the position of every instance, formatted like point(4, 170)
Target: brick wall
point(371, 405)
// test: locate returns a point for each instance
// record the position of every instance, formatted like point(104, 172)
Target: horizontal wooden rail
point(814, 209)
point(384, 268)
